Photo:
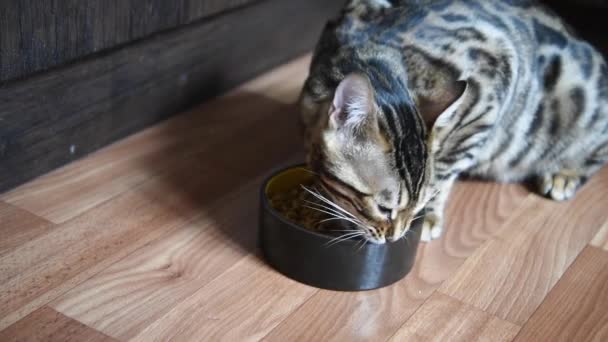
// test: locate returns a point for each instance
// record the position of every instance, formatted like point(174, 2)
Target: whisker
point(417, 217)
point(358, 232)
point(346, 236)
point(358, 242)
point(337, 213)
point(310, 171)
point(324, 206)
point(322, 198)
point(435, 194)
point(341, 218)
point(322, 210)
point(362, 245)
point(334, 216)
point(407, 241)
point(409, 231)
point(343, 238)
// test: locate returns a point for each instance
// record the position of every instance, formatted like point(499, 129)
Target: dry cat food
point(296, 205)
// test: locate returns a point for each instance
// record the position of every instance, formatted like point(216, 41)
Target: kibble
point(295, 206)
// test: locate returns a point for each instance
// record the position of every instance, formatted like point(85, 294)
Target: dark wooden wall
point(38, 34)
point(65, 113)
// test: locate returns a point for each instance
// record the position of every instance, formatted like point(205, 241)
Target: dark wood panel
point(39, 34)
point(60, 116)
point(585, 3)
point(587, 18)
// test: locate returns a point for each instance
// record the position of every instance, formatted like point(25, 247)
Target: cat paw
point(560, 186)
point(431, 228)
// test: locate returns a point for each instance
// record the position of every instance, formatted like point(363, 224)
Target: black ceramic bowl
point(306, 256)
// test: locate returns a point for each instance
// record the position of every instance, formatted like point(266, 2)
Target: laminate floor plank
point(17, 226)
point(154, 238)
point(443, 318)
point(577, 307)
point(243, 304)
point(475, 214)
point(509, 276)
point(135, 291)
point(48, 325)
point(44, 268)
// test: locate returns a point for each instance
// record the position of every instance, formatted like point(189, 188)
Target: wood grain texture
point(139, 289)
point(202, 152)
point(577, 308)
point(443, 318)
point(510, 276)
point(78, 109)
point(18, 226)
point(45, 268)
point(243, 304)
point(601, 238)
point(361, 316)
point(48, 325)
point(284, 83)
point(164, 247)
point(37, 35)
point(69, 191)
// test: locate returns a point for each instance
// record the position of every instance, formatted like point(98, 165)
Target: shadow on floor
point(221, 152)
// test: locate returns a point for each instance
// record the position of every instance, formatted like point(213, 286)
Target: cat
point(404, 96)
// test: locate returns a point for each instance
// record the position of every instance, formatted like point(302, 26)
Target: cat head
point(372, 155)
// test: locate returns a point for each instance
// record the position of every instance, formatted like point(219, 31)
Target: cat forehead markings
point(360, 167)
point(386, 195)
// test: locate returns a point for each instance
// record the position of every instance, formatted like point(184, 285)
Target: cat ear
point(353, 102)
point(436, 111)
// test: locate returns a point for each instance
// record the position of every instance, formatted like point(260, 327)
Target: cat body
point(405, 96)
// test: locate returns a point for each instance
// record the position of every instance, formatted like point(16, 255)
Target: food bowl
point(312, 258)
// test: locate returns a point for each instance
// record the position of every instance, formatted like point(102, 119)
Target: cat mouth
point(375, 240)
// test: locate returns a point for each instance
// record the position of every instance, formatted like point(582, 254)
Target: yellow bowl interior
point(287, 180)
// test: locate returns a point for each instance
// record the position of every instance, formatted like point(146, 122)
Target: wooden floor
point(154, 238)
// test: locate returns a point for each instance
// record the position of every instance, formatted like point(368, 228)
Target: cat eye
point(385, 210)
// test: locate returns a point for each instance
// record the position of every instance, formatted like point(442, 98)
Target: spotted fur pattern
point(503, 90)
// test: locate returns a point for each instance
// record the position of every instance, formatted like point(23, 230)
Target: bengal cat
point(405, 96)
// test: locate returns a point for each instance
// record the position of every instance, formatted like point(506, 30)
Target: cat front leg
point(433, 224)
